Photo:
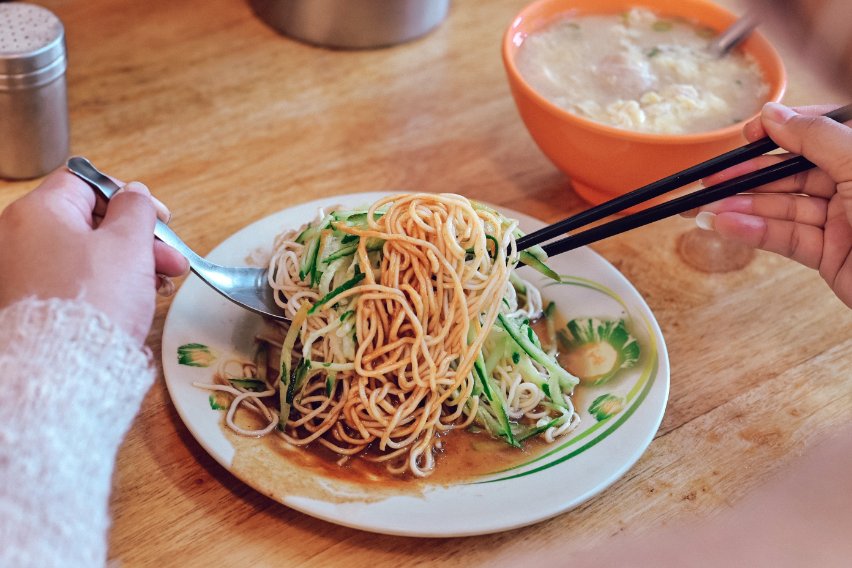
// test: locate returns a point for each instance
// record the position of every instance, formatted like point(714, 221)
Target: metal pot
point(352, 24)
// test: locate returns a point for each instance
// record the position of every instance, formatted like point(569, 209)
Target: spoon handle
point(242, 285)
point(85, 170)
point(733, 35)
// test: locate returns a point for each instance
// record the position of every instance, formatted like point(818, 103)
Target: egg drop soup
point(641, 72)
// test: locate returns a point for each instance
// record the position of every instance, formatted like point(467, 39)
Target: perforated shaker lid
point(32, 39)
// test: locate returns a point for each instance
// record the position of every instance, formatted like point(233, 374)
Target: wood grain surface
point(226, 122)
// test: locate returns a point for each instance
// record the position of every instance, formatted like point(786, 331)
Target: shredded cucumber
point(286, 361)
point(558, 378)
point(336, 292)
point(330, 381)
point(534, 261)
point(253, 385)
point(351, 249)
point(298, 380)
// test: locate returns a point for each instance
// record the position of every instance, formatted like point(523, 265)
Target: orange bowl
point(603, 161)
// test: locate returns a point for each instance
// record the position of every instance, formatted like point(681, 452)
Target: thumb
point(823, 141)
point(130, 216)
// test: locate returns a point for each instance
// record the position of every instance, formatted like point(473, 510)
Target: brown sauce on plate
point(279, 470)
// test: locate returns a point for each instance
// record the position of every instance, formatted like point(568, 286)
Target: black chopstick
point(698, 198)
point(664, 185)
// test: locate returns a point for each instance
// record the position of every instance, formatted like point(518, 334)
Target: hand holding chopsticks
point(693, 200)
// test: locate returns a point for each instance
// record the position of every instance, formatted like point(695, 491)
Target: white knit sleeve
point(70, 385)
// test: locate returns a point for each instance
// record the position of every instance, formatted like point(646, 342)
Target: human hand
point(60, 241)
point(807, 217)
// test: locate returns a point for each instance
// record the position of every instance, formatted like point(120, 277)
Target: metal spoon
point(735, 34)
point(247, 287)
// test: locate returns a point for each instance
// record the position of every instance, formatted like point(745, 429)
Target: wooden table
point(227, 121)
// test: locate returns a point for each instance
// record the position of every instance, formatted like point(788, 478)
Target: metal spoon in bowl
point(245, 286)
point(735, 34)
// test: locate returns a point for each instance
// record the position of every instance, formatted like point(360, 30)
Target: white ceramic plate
point(576, 468)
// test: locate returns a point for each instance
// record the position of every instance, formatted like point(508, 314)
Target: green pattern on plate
point(602, 429)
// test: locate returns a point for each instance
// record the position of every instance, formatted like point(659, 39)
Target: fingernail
point(777, 113)
point(752, 222)
point(163, 213)
point(136, 187)
point(706, 220)
point(737, 203)
point(166, 287)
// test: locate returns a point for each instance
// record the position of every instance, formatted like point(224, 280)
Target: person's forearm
point(72, 383)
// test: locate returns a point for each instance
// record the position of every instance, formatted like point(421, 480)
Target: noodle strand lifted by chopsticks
point(420, 321)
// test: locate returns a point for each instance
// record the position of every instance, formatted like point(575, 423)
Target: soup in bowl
point(619, 93)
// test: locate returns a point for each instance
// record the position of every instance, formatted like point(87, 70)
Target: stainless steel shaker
point(33, 101)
